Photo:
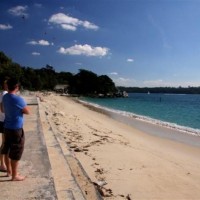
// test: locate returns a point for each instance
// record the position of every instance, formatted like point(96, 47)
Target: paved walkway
point(47, 164)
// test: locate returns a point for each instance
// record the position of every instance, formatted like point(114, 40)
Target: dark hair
point(12, 84)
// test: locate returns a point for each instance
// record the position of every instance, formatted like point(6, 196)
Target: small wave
point(188, 130)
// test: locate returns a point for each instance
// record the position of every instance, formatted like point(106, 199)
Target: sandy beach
point(127, 162)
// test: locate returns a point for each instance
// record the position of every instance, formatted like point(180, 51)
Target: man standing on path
point(14, 107)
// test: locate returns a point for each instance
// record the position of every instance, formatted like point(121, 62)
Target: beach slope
point(124, 162)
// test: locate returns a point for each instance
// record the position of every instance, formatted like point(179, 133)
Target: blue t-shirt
point(13, 106)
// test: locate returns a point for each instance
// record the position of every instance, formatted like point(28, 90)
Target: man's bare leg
point(8, 165)
point(2, 157)
point(3, 165)
point(15, 175)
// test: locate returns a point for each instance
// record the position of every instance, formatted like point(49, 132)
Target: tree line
point(83, 83)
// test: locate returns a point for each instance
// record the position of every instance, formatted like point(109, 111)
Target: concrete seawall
point(51, 169)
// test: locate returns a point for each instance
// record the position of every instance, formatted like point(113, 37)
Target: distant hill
point(170, 90)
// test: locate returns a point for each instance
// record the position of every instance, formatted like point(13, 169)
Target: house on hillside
point(61, 88)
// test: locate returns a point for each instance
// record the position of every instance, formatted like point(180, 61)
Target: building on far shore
point(61, 88)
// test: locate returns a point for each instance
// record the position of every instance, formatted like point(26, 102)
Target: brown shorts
point(1, 127)
point(14, 143)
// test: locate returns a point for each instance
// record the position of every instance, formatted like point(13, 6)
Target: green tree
point(4, 60)
point(64, 77)
point(48, 75)
point(86, 82)
point(9, 68)
point(106, 85)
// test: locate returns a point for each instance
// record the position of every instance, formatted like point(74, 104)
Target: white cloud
point(68, 27)
point(70, 23)
point(86, 50)
point(154, 83)
point(78, 63)
point(5, 27)
point(19, 11)
point(177, 83)
point(40, 42)
point(129, 82)
point(113, 73)
point(61, 18)
point(126, 82)
point(161, 31)
point(129, 60)
point(89, 25)
point(162, 83)
point(35, 53)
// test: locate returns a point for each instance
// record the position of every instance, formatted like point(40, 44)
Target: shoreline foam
point(173, 126)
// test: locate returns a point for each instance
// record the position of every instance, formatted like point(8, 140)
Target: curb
point(75, 185)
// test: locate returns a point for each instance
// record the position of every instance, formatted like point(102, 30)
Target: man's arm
point(26, 110)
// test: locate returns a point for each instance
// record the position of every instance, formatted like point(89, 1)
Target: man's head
point(13, 84)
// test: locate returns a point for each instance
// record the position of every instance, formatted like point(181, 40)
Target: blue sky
point(145, 43)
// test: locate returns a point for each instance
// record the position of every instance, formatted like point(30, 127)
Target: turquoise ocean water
point(179, 112)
